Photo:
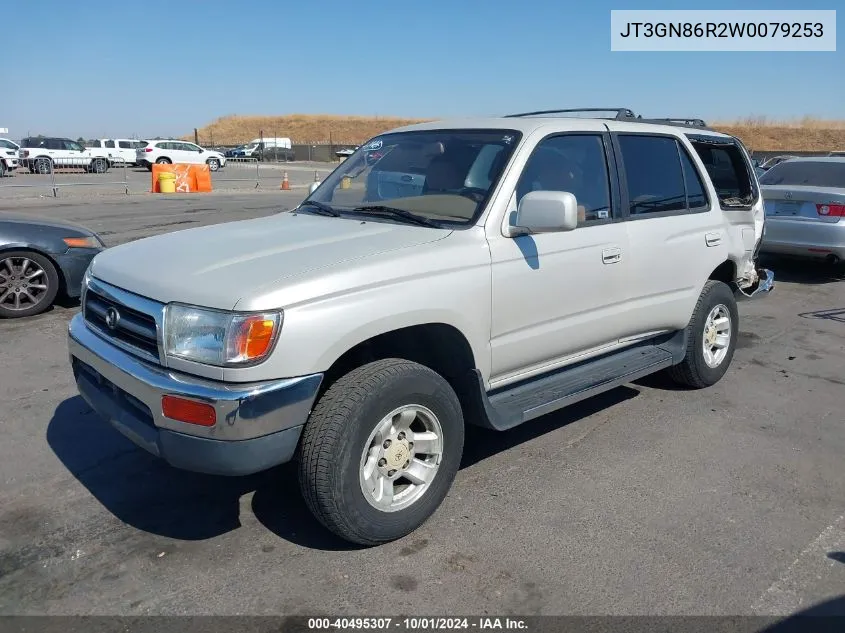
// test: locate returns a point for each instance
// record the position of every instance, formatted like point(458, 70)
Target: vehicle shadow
point(147, 494)
point(803, 271)
point(823, 617)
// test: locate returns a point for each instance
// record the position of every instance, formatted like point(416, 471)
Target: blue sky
point(157, 67)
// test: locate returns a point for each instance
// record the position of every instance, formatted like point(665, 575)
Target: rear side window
point(139, 144)
point(809, 173)
point(95, 144)
point(653, 173)
point(109, 144)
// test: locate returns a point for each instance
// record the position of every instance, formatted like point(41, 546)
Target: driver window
point(575, 163)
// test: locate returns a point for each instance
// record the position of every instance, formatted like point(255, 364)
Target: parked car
point(39, 259)
point(275, 149)
point(172, 151)
point(491, 271)
point(119, 150)
point(805, 207)
point(43, 154)
point(776, 160)
point(8, 156)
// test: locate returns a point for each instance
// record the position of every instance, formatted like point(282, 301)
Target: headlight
point(215, 337)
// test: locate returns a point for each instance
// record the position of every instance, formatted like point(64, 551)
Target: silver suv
point(486, 271)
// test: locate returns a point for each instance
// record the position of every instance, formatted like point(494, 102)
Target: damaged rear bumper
point(760, 287)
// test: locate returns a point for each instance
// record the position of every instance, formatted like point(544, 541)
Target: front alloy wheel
point(381, 450)
point(401, 458)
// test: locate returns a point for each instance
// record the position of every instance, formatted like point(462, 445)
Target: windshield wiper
point(323, 208)
point(377, 209)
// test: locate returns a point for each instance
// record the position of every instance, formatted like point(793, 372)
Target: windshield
point(442, 175)
point(809, 173)
point(250, 146)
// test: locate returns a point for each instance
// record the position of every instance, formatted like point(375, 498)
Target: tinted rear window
point(807, 173)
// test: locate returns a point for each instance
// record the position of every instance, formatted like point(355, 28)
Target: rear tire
point(369, 416)
point(2, 169)
point(711, 338)
point(163, 161)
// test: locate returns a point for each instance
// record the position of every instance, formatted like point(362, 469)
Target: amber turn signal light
point(188, 411)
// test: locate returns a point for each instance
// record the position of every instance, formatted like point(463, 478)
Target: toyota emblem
point(112, 318)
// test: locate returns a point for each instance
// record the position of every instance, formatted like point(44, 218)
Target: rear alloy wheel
point(380, 451)
point(711, 338)
point(28, 284)
point(213, 164)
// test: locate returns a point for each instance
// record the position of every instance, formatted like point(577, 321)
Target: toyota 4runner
point(485, 272)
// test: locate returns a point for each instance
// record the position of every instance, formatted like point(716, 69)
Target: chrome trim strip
point(244, 410)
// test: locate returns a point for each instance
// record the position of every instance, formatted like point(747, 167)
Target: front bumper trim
point(258, 424)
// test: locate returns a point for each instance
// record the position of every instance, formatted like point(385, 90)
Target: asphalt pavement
point(645, 500)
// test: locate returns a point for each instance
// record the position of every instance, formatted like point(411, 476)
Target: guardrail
point(56, 167)
point(242, 169)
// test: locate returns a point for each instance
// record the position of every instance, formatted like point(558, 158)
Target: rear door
point(674, 227)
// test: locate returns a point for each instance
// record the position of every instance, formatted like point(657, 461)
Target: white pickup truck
point(9, 156)
point(481, 272)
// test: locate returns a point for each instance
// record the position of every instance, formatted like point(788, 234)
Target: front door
point(558, 296)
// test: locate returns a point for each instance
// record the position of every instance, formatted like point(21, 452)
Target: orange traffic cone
point(285, 184)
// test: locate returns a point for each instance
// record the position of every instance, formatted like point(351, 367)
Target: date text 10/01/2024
point(415, 624)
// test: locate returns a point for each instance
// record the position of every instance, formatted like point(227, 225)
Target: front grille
point(135, 330)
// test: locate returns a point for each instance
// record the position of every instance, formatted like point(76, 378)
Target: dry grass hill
point(758, 133)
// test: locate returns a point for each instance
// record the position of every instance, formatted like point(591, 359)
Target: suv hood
point(216, 266)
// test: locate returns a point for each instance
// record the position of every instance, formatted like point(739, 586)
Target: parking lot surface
point(646, 500)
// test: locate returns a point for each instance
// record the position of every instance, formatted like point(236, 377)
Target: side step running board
point(514, 405)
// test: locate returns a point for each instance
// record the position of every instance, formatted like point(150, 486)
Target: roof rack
point(691, 122)
point(620, 114)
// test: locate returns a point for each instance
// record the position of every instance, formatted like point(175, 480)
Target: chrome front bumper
point(258, 424)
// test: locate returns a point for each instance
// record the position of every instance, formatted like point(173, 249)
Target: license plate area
point(787, 208)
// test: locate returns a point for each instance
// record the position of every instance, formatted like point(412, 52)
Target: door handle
point(611, 255)
point(713, 239)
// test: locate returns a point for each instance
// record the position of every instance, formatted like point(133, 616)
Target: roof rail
point(621, 113)
point(692, 122)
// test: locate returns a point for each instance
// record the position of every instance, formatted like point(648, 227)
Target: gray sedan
point(805, 207)
point(40, 258)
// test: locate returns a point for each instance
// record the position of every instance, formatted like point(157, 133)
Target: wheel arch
point(440, 346)
point(724, 272)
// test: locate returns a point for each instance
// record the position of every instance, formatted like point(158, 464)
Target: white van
point(118, 148)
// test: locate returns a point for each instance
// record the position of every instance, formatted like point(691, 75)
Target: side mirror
point(545, 212)
point(313, 187)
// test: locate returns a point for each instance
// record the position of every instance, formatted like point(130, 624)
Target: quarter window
point(109, 144)
point(575, 163)
point(124, 145)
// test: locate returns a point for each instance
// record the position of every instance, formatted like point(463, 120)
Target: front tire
point(711, 338)
point(380, 451)
point(28, 284)
point(99, 166)
point(213, 164)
